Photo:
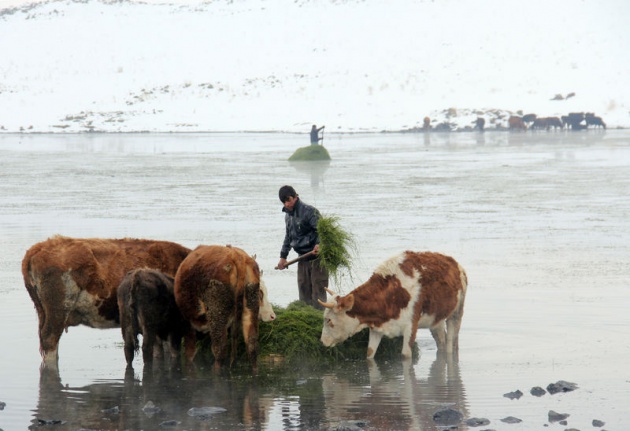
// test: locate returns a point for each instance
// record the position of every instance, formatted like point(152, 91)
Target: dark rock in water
point(513, 395)
point(447, 417)
point(112, 410)
point(42, 422)
point(565, 423)
point(511, 420)
point(477, 422)
point(597, 423)
point(150, 409)
point(204, 412)
point(561, 386)
point(555, 416)
point(170, 423)
point(350, 426)
point(2, 405)
point(537, 391)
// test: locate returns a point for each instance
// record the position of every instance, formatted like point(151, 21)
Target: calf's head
point(338, 326)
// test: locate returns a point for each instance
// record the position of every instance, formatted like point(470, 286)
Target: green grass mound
point(293, 339)
point(310, 153)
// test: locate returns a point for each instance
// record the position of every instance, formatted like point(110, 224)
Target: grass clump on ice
point(309, 153)
point(337, 248)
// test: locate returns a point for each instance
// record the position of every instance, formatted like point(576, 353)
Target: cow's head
point(265, 313)
point(338, 326)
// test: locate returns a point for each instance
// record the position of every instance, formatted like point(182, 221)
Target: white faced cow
point(406, 292)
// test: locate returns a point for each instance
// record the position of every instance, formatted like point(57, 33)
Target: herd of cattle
point(573, 121)
point(171, 295)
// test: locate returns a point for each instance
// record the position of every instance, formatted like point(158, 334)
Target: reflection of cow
point(516, 123)
point(146, 304)
point(399, 396)
point(217, 289)
point(74, 281)
point(406, 292)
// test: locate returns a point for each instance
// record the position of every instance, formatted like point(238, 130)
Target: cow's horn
point(330, 291)
point(326, 304)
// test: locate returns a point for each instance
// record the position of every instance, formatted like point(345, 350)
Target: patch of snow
point(245, 65)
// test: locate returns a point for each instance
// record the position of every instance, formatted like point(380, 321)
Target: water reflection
point(315, 169)
point(390, 396)
point(380, 395)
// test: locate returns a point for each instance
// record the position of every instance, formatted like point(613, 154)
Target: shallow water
point(540, 221)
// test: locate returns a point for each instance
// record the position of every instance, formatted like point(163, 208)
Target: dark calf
point(147, 306)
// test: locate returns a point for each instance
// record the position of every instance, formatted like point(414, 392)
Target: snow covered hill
point(279, 65)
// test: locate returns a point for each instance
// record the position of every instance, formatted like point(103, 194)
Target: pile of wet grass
point(293, 338)
point(310, 153)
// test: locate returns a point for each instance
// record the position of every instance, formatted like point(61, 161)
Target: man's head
point(288, 197)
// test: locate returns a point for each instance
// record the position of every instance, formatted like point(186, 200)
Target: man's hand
point(282, 264)
point(316, 249)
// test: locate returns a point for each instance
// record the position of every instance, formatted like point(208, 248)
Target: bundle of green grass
point(310, 153)
point(293, 338)
point(337, 248)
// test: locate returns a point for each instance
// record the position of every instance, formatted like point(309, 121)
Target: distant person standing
point(301, 236)
point(315, 138)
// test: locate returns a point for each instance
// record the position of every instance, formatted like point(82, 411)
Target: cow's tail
point(133, 310)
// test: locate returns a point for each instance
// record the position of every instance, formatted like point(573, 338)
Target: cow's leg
point(453, 324)
point(409, 337)
point(249, 322)
point(148, 341)
point(439, 334)
point(190, 344)
point(53, 319)
point(374, 341)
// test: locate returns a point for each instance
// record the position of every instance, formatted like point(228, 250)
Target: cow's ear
point(346, 303)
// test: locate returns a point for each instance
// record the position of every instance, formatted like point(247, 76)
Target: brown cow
point(74, 281)
point(146, 303)
point(406, 292)
point(217, 288)
point(516, 123)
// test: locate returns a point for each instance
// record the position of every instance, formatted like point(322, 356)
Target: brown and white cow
point(146, 304)
point(218, 289)
point(409, 291)
point(73, 281)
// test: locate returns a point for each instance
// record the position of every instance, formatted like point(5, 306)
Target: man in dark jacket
point(301, 236)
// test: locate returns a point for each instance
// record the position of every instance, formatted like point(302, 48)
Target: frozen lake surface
point(540, 221)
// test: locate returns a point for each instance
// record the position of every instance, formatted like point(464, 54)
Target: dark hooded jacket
point(301, 229)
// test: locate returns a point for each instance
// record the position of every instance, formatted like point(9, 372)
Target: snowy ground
point(276, 65)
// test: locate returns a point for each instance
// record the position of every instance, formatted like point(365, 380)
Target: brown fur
point(73, 281)
point(217, 289)
point(516, 123)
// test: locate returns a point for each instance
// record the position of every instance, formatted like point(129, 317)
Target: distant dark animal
point(426, 124)
point(554, 122)
point(516, 123)
point(406, 292)
point(570, 95)
point(592, 120)
point(557, 97)
point(480, 123)
point(74, 281)
point(146, 303)
point(218, 289)
point(576, 120)
point(539, 124)
point(528, 118)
